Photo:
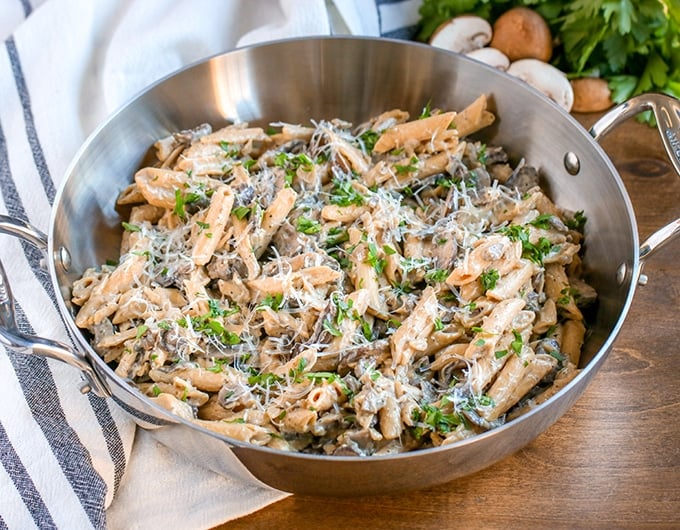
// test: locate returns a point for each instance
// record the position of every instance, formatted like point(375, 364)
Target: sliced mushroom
point(462, 34)
point(545, 78)
point(491, 56)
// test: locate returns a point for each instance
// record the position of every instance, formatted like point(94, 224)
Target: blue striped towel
point(71, 460)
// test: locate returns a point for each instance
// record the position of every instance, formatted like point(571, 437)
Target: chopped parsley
point(211, 327)
point(411, 167)
point(181, 200)
point(308, 226)
point(274, 301)
point(489, 278)
point(517, 343)
point(534, 252)
point(427, 110)
point(130, 227)
point(344, 194)
point(368, 139)
point(577, 221)
point(336, 236)
point(241, 212)
point(230, 150)
point(542, 221)
point(436, 275)
point(374, 259)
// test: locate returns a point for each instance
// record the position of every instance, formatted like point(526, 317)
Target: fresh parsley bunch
point(633, 44)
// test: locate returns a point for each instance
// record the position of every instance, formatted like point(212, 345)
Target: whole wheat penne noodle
point(299, 419)
point(358, 302)
point(420, 130)
point(83, 287)
point(546, 318)
point(131, 195)
point(126, 274)
point(169, 402)
point(414, 330)
point(117, 339)
point(453, 353)
point(164, 297)
point(246, 432)
point(470, 291)
point(475, 312)
point(494, 324)
point(564, 376)
point(272, 218)
point(235, 134)
point(159, 186)
point(321, 398)
point(301, 363)
point(234, 289)
point(316, 275)
point(571, 343)
point(279, 323)
point(509, 284)
point(379, 173)
point(446, 140)
point(389, 417)
point(343, 214)
point(244, 247)
point(132, 305)
point(365, 276)
point(290, 132)
point(388, 119)
point(557, 287)
point(484, 369)
point(214, 224)
point(562, 254)
point(473, 117)
point(355, 157)
point(492, 252)
point(196, 294)
point(439, 338)
point(212, 410)
point(203, 160)
point(406, 171)
point(198, 377)
point(519, 374)
point(270, 285)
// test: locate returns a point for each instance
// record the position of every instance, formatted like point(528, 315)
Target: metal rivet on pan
point(64, 258)
point(643, 279)
point(621, 274)
point(571, 163)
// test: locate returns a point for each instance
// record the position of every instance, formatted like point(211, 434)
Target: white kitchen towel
point(77, 461)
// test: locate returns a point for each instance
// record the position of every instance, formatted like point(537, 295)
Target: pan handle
point(667, 113)
point(12, 338)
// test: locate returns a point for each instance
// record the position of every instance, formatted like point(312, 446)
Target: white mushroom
point(462, 34)
point(545, 78)
point(491, 56)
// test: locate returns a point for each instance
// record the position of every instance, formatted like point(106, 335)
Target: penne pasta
point(340, 289)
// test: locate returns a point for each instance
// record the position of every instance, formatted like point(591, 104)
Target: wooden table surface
point(613, 461)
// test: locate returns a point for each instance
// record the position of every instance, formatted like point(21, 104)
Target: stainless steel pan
point(352, 78)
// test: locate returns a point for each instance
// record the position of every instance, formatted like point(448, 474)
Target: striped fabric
point(77, 461)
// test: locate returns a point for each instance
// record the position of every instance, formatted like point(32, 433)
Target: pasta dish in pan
point(341, 289)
